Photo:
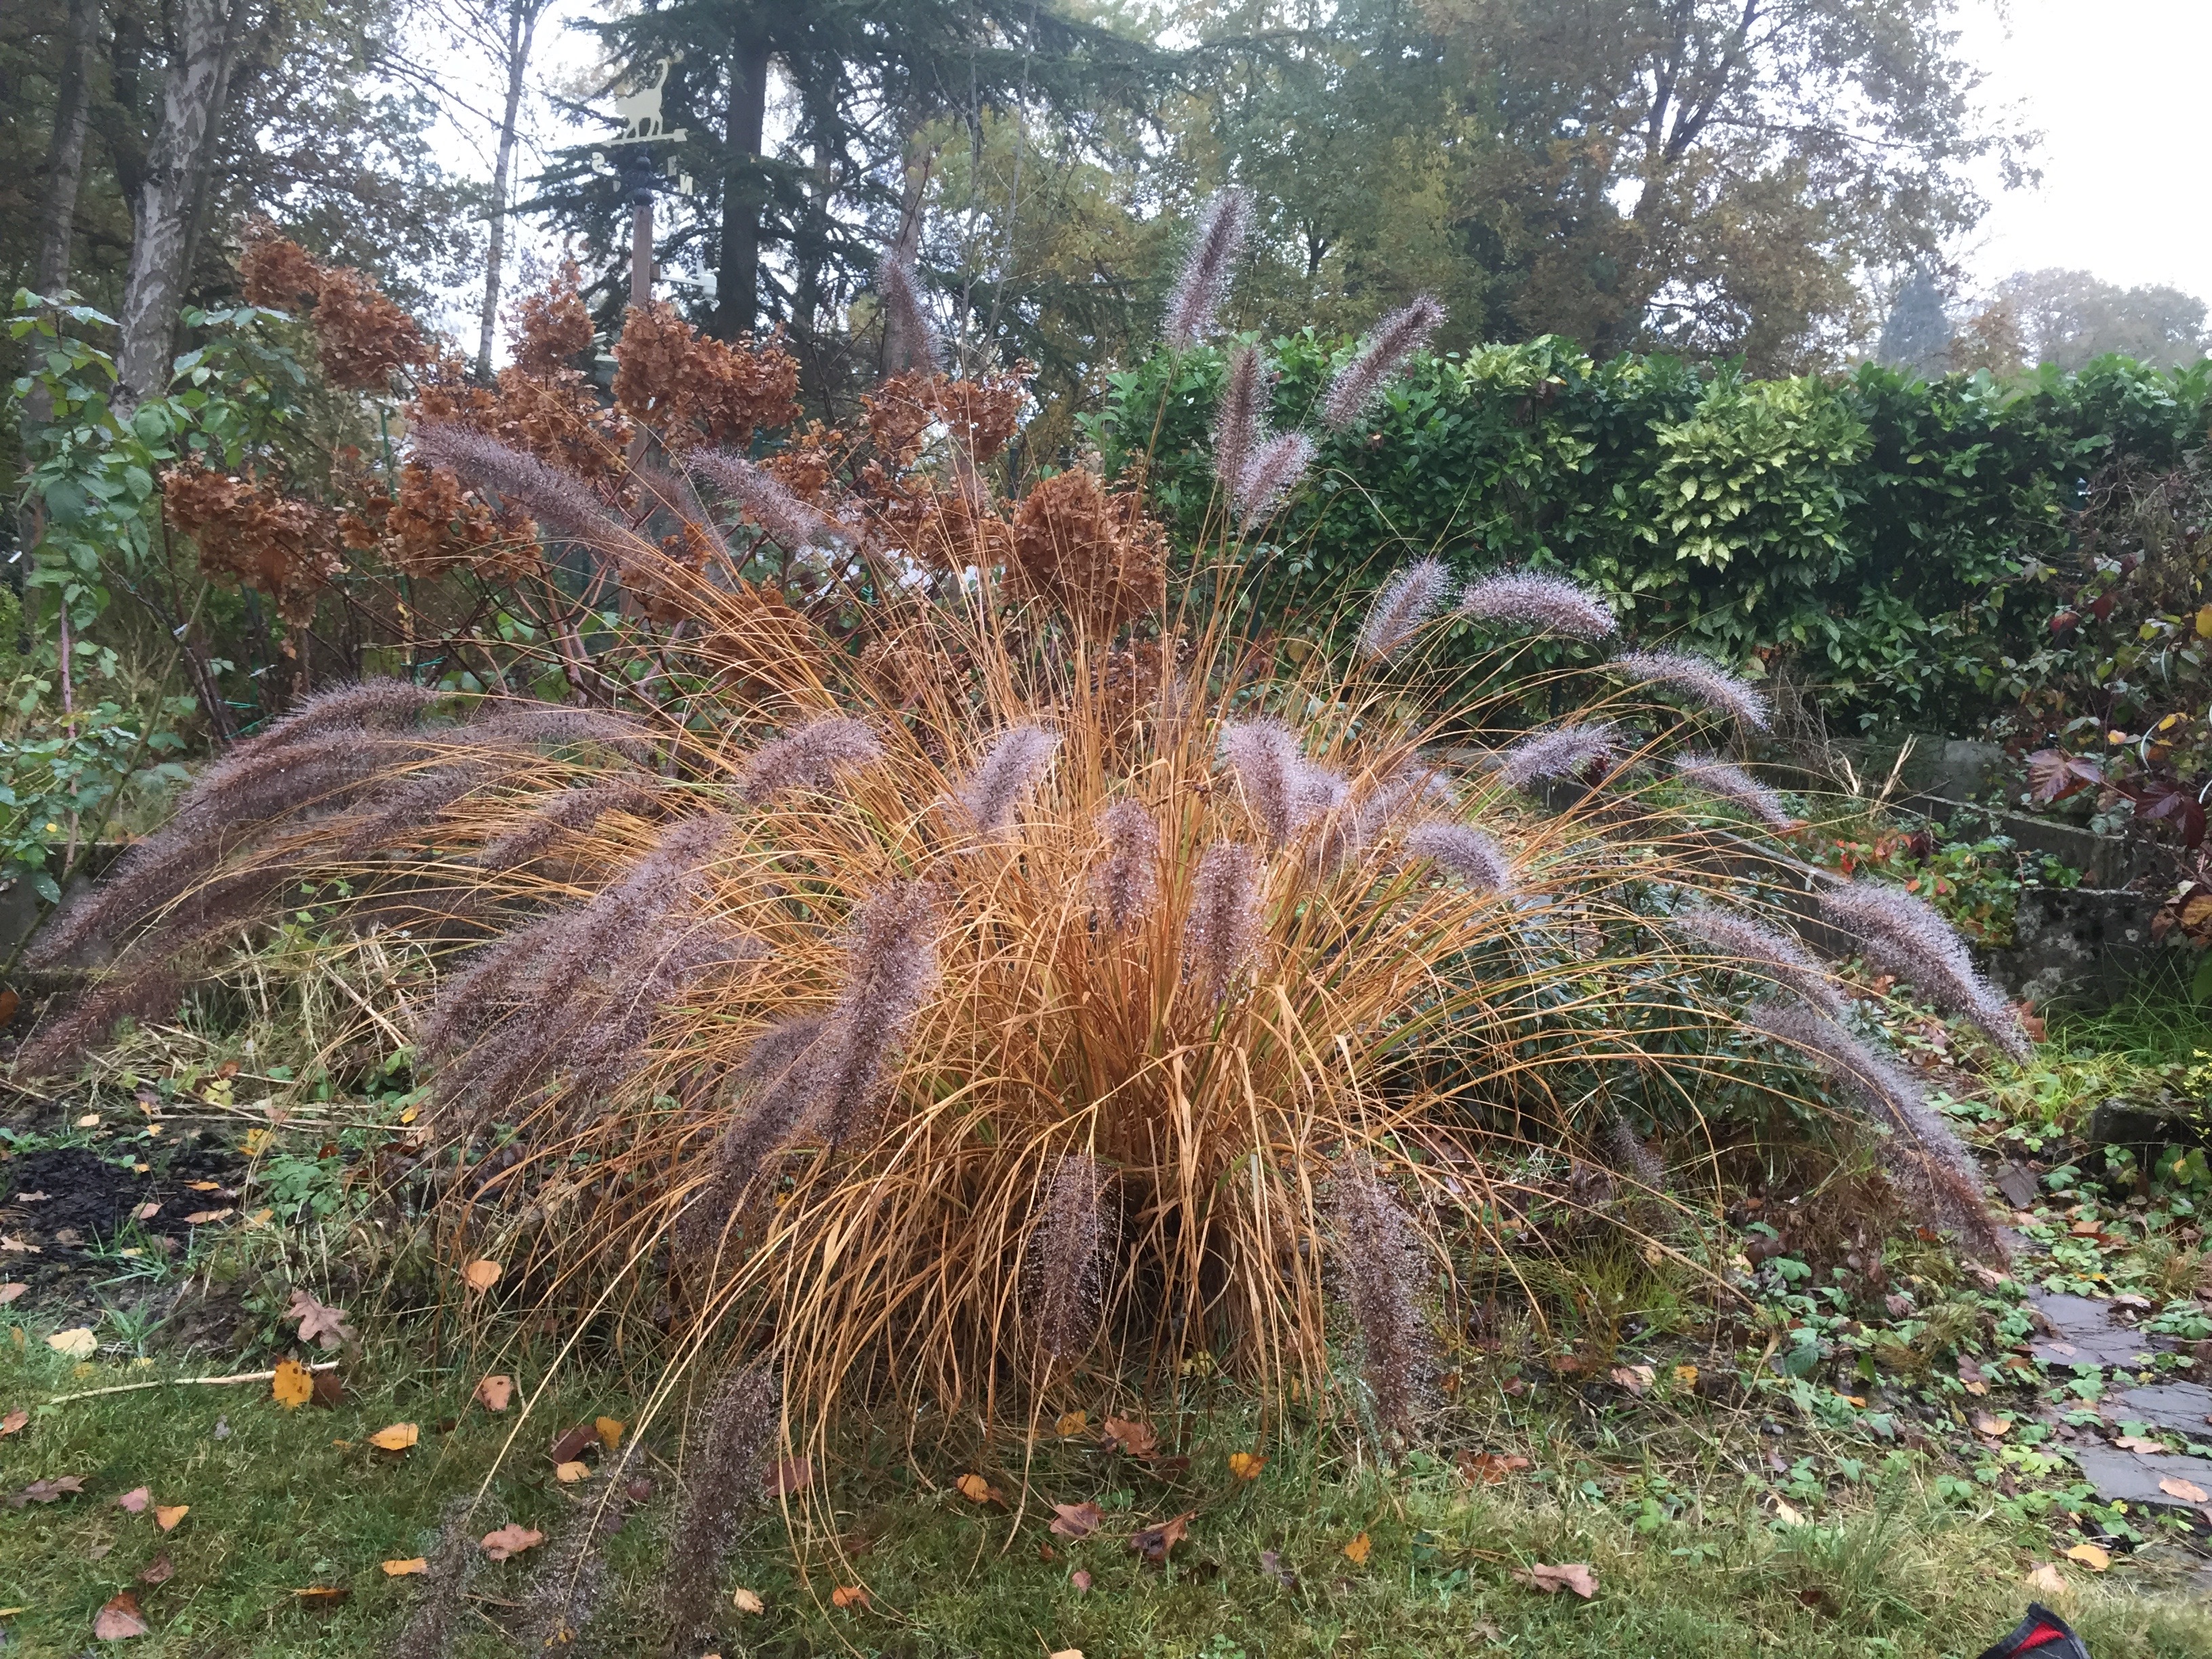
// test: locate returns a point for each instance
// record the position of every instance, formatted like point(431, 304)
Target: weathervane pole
point(641, 229)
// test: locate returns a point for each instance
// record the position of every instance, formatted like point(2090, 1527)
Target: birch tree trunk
point(65, 154)
point(153, 283)
point(522, 24)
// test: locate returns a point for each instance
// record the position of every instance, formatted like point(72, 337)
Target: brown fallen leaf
point(1488, 1468)
point(2046, 1578)
point(1080, 1580)
point(1153, 1543)
point(570, 1446)
point(1072, 1424)
point(745, 1601)
point(1271, 1563)
point(1135, 1439)
point(317, 1322)
point(1637, 1379)
point(849, 1595)
point(511, 1539)
point(134, 1501)
point(1356, 1551)
point(395, 1437)
point(329, 1388)
point(493, 1392)
point(166, 1515)
point(1570, 1575)
point(146, 1212)
point(789, 1475)
point(976, 1489)
point(10, 1291)
point(321, 1597)
point(159, 1571)
point(1075, 1520)
point(75, 1344)
point(2187, 1490)
point(119, 1620)
point(1246, 1465)
point(2136, 1443)
point(1990, 1424)
point(609, 1431)
point(2095, 1557)
point(1065, 1653)
point(413, 1564)
point(46, 1491)
point(208, 1218)
point(14, 1421)
point(293, 1386)
point(481, 1275)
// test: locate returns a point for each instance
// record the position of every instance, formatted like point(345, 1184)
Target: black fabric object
point(2042, 1634)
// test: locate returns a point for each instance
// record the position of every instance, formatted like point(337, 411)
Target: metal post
point(638, 176)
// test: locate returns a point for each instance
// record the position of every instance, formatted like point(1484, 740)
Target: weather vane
point(643, 126)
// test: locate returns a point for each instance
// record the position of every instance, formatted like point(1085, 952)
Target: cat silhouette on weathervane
point(641, 109)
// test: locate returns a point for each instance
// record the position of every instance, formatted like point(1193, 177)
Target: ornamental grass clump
point(931, 981)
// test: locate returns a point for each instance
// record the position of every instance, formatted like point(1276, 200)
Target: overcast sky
point(2114, 84)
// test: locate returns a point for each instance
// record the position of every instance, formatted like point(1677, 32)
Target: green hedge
point(1891, 539)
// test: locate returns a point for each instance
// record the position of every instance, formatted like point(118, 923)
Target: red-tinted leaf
point(2053, 774)
point(1153, 1543)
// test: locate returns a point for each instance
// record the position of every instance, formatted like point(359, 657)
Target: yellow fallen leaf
point(745, 1601)
point(1067, 1653)
point(77, 1344)
point(1994, 1426)
point(206, 1217)
point(569, 1474)
point(256, 1141)
point(397, 1437)
point(410, 1114)
point(1687, 1376)
point(293, 1386)
point(2094, 1557)
point(1356, 1551)
point(849, 1595)
point(1246, 1465)
point(609, 1431)
point(166, 1515)
point(1072, 1424)
point(401, 1569)
point(89, 1121)
point(481, 1275)
point(976, 1489)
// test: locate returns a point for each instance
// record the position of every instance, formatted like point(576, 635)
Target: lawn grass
point(1664, 1500)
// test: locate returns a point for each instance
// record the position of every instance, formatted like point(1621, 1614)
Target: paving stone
point(2185, 1407)
point(2085, 1334)
point(2133, 1477)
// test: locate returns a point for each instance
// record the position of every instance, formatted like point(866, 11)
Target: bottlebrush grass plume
point(1378, 1271)
point(1631, 1154)
point(1736, 786)
point(1705, 681)
point(1204, 284)
point(1380, 355)
point(787, 521)
point(1127, 885)
point(892, 964)
point(1406, 601)
point(569, 811)
point(570, 1579)
point(812, 757)
point(1243, 416)
point(1552, 603)
point(1274, 470)
point(563, 503)
point(724, 1475)
point(1465, 852)
point(1351, 830)
point(1904, 936)
point(1922, 1154)
point(1562, 754)
point(1750, 947)
point(1221, 933)
point(1067, 1253)
point(911, 340)
point(1011, 767)
point(441, 1609)
point(1286, 791)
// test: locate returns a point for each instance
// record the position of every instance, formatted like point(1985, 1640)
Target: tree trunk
point(153, 283)
point(521, 22)
point(65, 154)
point(745, 197)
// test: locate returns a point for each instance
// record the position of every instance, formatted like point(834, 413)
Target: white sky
point(2111, 85)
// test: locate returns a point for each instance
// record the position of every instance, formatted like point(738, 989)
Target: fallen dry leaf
point(1075, 1520)
point(1788, 1513)
point(293, 1386)
point(569, 1474)
point(511, 1539)
point(1569, 1576)
point(14, 1422)
point(1072, 1424)
point(1246, 1465)
point(398, 1437)
point(1153, 1543)
point(75, 1344)
point(570, 1446)
point(1136, 1439)
point(166, 1515)
point(118, 1621)
point(204, 1186)
point(46, 1491)
point(10, 1291)
point(2137, 1443)
point(329, 1388)
point(493, 1392)
point(976, 1489)
point(160, 1571)
point(322, 1597)
point(318, 1322)
point(1686, 1375)
point(1488, 1468)
point(1065, 1653)
point(146, 1212)
point(745, 1601)
point(208, 1218)
point(1988, 1423)
point(135, 1499)
point(609, 1431)
point(2095, 1557)
point(1080, 1580)
point(481, 1275)
point(2187, 1490)
point(789, 1475)
point(849, 1595)
point(1356, 1551)
point(413, 1564)
point(2047, 1578)
point(1637, 1379)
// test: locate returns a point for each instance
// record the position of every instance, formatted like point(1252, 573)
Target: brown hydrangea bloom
point(693, 390)
point(274, 270)
point(1090, 549)
point(360, 334)
point(553, 328)
point(435, 524)
point(899, 412)
point(250, 532)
